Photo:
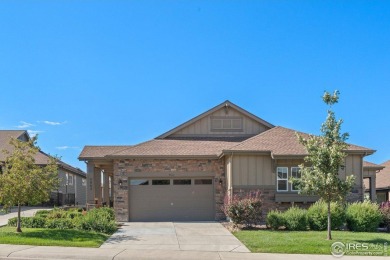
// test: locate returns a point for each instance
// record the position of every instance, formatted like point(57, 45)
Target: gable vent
point(226, 124)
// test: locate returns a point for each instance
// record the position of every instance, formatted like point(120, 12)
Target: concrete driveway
point(179, 236)
point(25, 212)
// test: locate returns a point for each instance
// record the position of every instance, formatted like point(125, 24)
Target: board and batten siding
point(252, 170)
point(202, 127)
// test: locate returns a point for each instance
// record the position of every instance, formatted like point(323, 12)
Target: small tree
point(320, 175)
point(23, 181)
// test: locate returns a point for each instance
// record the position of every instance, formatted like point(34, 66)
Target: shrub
point(363, 216)
point(57, 213)
point(98, 220)
point(73, 214)
point(244, 210)
point(60, 223)
point(318, 215)
point(42, 213)
point(385, 211)
point(275, 219)
point(295, 219)
point(28, 222)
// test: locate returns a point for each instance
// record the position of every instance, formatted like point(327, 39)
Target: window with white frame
point(295, 173)
point(69, 179)
point(282, 178)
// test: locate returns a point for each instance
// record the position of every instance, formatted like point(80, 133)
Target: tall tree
point(23, 181)
point(326, 154)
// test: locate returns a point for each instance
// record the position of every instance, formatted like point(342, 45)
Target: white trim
point(281, 179)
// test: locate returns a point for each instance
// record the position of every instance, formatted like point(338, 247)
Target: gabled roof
point(160, 148)
point(41, 158)
point(383, 177)
point(282, 142)
point(226, 103)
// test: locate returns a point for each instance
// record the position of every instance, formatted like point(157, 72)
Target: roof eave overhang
point(373, 167)
point(162, 156)
point(243, 152)
point(288, 156)
point(361, 152)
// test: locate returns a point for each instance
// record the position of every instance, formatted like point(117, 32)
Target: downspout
point(230, 188)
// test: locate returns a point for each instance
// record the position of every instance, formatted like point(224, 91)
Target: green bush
point(295, 219)
point(57, 213)
point(275, 219)
point(42, 213)
point(73, 214)
point(318, 215)
point(28, 222)
point(59, 223)
point(363, 216)
point(98, 220)
point(244, 210)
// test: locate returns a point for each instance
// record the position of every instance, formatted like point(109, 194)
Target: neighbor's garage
point(171, 199)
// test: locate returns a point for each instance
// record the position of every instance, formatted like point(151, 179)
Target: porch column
point(373, 188)
point(97, 185)
point(106, 190)
point(90, 182)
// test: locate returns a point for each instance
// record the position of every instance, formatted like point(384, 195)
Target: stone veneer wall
point(123, 169)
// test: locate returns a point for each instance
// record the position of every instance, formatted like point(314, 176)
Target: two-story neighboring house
point(72, 188)
point(185, 173)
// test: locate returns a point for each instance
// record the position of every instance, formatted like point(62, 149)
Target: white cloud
point(54, 123)
point(65, 147)
point(24, 124)
point(33, 133)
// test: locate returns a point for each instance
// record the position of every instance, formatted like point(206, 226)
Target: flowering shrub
point(244, 210)
point(385, 210)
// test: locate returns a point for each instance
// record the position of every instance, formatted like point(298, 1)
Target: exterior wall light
point(120, 182)
point(220, 181)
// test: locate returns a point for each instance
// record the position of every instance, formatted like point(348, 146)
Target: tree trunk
point(18, 225)
point(329, 223)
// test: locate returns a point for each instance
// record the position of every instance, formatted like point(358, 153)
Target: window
point(161, 182)
point(84, 182)
point(223, 123)
point(136, 182)
point(203, 182)
point(69, 179)
point(282, 176)
point(182, 182)
point(295, 173)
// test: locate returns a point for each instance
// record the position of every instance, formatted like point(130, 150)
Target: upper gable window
point(226, 123)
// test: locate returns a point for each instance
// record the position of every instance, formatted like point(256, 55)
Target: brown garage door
point(161, 199)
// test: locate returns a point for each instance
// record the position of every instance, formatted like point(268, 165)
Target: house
point(380, 185)
point(185, 173)
point(72, 188)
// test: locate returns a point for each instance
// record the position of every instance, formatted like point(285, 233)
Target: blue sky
point(122, 72)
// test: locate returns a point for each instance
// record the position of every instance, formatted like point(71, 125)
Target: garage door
point(163, 199)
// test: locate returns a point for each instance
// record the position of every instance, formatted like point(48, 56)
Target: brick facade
point(124, 169)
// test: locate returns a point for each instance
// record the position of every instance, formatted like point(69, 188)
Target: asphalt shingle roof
point(41, 158)
point(281, 141)
point(383, 177)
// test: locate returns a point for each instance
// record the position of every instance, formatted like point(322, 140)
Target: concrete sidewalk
point(25, 212)
point(8, 252)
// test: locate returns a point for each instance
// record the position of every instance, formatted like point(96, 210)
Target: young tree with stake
point(326, 155)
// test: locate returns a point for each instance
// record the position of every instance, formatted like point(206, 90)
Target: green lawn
point(51, 237)
point(304, 242)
